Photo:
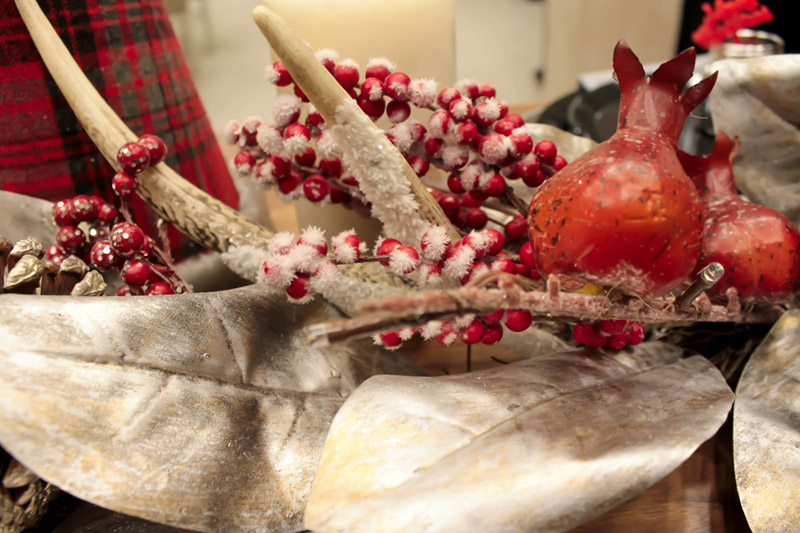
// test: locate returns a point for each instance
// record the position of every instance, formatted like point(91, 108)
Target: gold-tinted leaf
point(766, 430)
point(203, 411)
point(540, 445)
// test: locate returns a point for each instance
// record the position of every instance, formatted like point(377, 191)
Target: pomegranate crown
point(712, 175)
point(656, 103)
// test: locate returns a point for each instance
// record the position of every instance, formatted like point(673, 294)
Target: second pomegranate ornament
point(624, 214)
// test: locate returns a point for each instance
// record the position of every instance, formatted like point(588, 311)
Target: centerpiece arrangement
point(255, 409)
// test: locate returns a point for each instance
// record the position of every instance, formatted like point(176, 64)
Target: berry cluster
point(469, 134)
point(133, 158)
point(613, 334)
point(107, 238)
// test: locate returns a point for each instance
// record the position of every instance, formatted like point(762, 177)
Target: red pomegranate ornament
point(757, 246)
point(625, 214)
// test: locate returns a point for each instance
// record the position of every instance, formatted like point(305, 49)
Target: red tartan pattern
point(129, 52)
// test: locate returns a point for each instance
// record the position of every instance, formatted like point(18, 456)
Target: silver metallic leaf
point(203, 411)
point(539, 445)
point(22, 216)
point(758, 100)
point(766, 430)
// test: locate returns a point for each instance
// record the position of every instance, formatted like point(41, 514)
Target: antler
point(372, 158)
point(203, 218)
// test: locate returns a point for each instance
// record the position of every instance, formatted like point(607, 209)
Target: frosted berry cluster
point(613, 334)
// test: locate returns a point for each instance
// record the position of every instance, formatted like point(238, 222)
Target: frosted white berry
point(422, 92)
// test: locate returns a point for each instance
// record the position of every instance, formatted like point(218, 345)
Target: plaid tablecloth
point(130, 54)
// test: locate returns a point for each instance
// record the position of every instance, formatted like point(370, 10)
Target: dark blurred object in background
point(784, 23)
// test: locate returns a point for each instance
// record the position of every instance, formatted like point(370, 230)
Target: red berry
point(617, 342)
point(558, 163)
point(298, 288)
point(290, 184)
point(83, 209)
point(583, 333)
point(439, 124)
point(546, 151)
point(598, 340)
point(124, 184)
point(346, 73)
point(107, 213)
point(372, 89)
point(244, 162)
point(518, 319)
point(373, 108)
point(314, 120)
point(476, 218)
point(127, 290)
point(636, 333)
point(450, 204)
point(148, 248)
point(72, 239)
point(466, 133)
point(338, 195)
point(55, 254)
point(315, 188)
point(493, 334)
point(504, 127)
point(470, 201)
point(133, 158)
point(307, 158)
point(521, 143)
point(62, 214)
point(103, 256)
point(516, 229)
point(298, 92)
point(398, 111)
point(496, 241)
point(126, 238)
point(528, 170)
point(378, 70)
point(473, 333)
point(516, 119)
point(331, 167)
point(136, 272)
point(155, 146)
point(297, 130)
point(386, 247)
point(97, 232)
point(279, 75)
point(503, 265)
point(396, 86)
point(469, 88)
point(526, 255)
point(487, 90)
point(493, 148)
point(478, 195)
point(419, 164)
point(496, 185)
point(494, 318)
point(447, 95)
point(433, 146)
point(454, 183)
point(612, 327)
point(390, 339)
point(158, 288)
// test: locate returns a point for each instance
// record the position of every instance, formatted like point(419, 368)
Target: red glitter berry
point(107, 213)
point(124, 184)
point(526, 255)
point(612, 327)
point(83, 209)
point(598, 340)
point(158, 288)
point(136, 272)
point(518, 319)
point(133, 158)
point(72, 239)
point(104, 256)
point(55, 254)
point(126, 238)
point(617, 342)
point(290, 184)
point(496, 186)
point(155, 146)
point(494, 318)
point(62, 214)
point(148, 248)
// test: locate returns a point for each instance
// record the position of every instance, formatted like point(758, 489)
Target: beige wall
point(582, 34)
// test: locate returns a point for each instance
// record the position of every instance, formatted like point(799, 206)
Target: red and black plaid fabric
point(129, 52)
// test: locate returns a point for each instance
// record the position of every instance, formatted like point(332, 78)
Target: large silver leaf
point(766, 430)
point(25, 216)
point(539, 445)
point(758, 100)
point(203, 411)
